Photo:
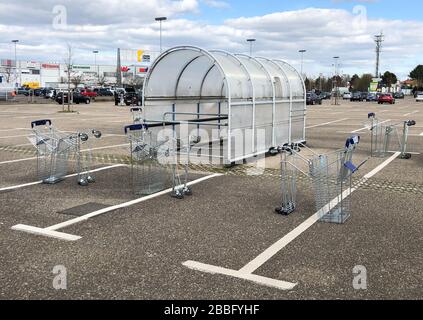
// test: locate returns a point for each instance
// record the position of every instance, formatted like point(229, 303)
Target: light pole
point(336, 80)
point(16, 63)
point(302, 59)
point(161, 19)
point(95, 63)
point(251, 41)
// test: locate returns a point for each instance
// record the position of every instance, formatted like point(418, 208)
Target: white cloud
point(323, 32)
point(217, 4)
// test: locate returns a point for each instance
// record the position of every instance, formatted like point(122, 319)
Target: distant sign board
point(373, 86)
point(7, 63)
point(81, 67)
point(50, 66)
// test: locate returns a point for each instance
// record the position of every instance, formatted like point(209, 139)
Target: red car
point(88, 93)
point(386, 98)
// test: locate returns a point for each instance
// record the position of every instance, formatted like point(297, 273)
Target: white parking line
point(411, 113)
point(106, 147)
point(19, 186)
point(245, 272)
point(421, 134)
point(19, 136)
point(84, 150)
point(326, 123)
point(51, 231)
point(366, 128)
point(18, 160)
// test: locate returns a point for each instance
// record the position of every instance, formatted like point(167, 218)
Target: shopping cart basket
point(384, 136)
point(84, 158)
point(332, 178)
point(53, 149)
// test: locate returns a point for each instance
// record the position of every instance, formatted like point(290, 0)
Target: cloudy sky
point(325, 28)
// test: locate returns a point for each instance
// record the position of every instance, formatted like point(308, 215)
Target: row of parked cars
point(313, 98)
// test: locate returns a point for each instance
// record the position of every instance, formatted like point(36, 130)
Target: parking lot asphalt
point(137, 252)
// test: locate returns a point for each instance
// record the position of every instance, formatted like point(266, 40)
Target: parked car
point(419, 97)
point(88, 93)
point(399, 95)
point(364, 96)
point(105, 92)
point(22, 90)
point(386, 98)
point(132, 97)
point(312, 99)
point(356, 96)
point(371, 97)
point(347, 96)
point(77, 98)
point(325, 95)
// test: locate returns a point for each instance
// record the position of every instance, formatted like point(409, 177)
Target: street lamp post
point(95, 63)
point(251, 41)
point(336, 80)
point(302, 59)
point(16, 63)
point(161, 19)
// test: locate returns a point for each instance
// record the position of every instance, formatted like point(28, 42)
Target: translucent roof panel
point(280, 80)
point(236, 74)
point(194, 73)
point(295, 80)
point(261, 79)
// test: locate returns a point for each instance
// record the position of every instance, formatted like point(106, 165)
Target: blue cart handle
point(40, 123)
point(135, 127)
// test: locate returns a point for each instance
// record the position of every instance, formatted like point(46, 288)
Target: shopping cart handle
point(135, 127)
point(354, 140)
point(136, 109)
point(371, 115)
point(40, 123)
point(350, 166)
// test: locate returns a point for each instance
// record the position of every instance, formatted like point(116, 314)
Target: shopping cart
point(289, 169)
point(332, 179)
point(53, 150)
point(387, 137)
point(136, 115)
point(404, 139)
point(84, 158)
point(384, 136)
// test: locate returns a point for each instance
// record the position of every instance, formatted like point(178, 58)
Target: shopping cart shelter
point(124, 236)
point(250, 104)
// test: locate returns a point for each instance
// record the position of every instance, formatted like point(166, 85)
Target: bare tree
point(7, 72)
point(77, 79)
point(102, 81)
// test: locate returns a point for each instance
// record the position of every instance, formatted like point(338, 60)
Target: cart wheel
point(83, 182)
point(188, 191)
point(405, 156)
point(177, 194)
point(90, 179)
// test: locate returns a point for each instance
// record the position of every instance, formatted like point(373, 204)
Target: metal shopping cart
point(332, 179)
point(384, 136)
point(84, 158)
point(53, 150)
point(387, 137)
point(154, 161)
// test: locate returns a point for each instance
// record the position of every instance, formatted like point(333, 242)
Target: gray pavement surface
point(137, 252)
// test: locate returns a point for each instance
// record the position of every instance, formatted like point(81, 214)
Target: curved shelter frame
point(258, 103)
